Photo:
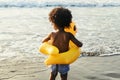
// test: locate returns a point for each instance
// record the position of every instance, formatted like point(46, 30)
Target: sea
point(24, 23)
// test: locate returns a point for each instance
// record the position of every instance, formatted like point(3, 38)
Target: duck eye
point(74, 28)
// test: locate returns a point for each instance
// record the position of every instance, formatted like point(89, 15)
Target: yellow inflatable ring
point(54, 57)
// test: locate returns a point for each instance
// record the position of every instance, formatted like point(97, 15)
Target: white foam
point(49, 3)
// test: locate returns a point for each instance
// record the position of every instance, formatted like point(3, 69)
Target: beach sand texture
point(85, 68)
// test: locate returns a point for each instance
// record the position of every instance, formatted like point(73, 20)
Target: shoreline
point(85, 68)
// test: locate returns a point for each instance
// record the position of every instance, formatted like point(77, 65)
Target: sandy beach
point(85, 68)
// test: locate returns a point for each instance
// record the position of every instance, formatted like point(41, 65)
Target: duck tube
point(54, 57)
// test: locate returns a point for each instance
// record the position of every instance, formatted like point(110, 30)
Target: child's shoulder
point(69, 33)
point(52, 32)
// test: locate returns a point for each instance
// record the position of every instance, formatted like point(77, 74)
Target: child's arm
point(75, 41)
point(46, 38)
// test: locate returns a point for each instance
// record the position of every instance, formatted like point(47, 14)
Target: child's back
point(61, 40)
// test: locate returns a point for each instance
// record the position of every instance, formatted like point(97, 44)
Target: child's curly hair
point(61, 17)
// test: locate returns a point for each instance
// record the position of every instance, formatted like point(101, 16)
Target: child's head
point(61, 17)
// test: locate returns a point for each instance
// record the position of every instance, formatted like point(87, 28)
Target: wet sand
point(85, 68)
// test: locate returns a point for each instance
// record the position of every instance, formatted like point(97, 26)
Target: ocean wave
point(24, 4)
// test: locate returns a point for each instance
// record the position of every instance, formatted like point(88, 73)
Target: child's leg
point(63, 69)
point(63, 76)
point(53, 76)
point(54, 72)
